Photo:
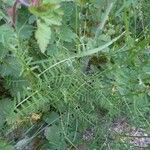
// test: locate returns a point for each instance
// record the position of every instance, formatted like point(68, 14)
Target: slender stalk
point(102, 24)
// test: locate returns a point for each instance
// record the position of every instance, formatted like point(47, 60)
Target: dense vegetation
point(69, 69)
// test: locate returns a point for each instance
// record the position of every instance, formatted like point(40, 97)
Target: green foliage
point(5, 146)
point(72, 66)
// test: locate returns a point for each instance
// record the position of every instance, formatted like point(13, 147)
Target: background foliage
point(70, 66)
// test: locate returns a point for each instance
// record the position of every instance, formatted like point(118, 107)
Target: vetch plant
point(69, 70)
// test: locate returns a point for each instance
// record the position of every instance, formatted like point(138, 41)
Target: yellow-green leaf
point(43, 35)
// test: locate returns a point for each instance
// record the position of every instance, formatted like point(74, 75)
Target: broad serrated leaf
point(6, 34)
point(26, 32)
point(10, 67)
point(51, 13)
point(43, 35)
point(54, 135)
point(53, 117)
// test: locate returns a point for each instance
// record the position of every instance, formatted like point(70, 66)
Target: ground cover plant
point(74, 74)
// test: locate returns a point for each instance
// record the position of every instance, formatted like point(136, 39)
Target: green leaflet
point(43, 35)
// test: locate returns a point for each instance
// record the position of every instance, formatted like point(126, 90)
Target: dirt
point(136, 137)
